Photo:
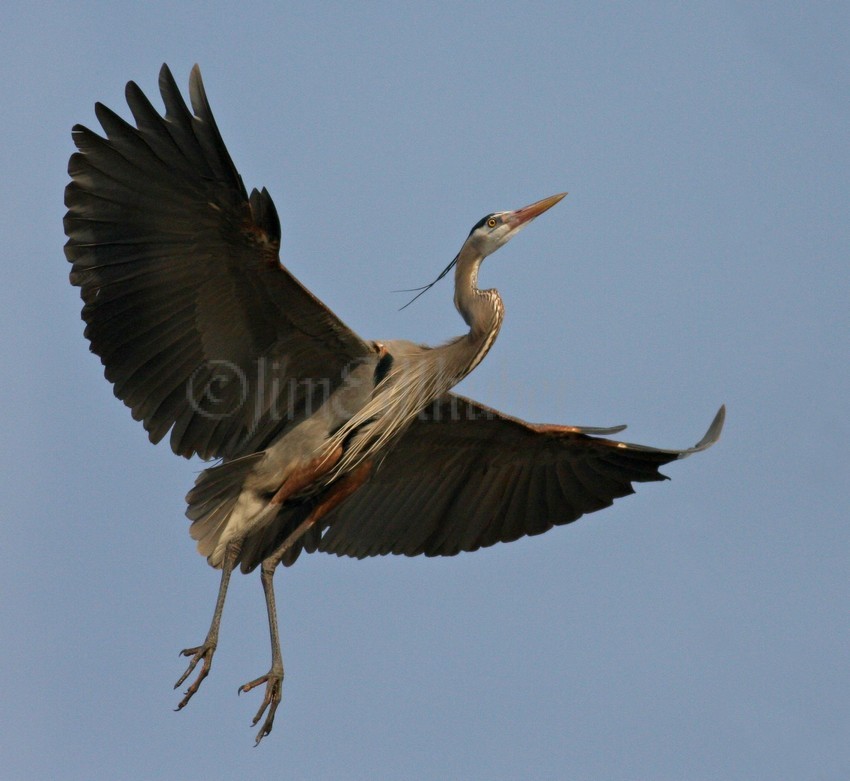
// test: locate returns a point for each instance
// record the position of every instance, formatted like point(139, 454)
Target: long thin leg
point(274, 678)
point(205, 652)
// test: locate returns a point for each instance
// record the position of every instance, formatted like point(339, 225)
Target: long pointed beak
point(527, 213)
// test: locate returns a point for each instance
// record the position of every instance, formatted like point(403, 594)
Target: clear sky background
point(697, 630)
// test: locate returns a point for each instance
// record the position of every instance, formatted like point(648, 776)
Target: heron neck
point(482, 310)
point(475, 306)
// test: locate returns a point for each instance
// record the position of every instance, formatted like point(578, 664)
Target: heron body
point(327, 442)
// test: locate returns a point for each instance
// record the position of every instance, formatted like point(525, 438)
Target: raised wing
point(200, 328)
point(465, 476)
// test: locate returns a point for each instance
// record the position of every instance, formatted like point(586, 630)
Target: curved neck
point(475, 306)
point(482, 310)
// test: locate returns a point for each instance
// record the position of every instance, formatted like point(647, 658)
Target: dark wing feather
point(464, 476)
point(199, 327)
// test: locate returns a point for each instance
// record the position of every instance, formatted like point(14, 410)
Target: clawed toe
point(274, 687)
point(200, 653)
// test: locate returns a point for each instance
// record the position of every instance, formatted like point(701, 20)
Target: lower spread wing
point(199, 327)
point(464, 477)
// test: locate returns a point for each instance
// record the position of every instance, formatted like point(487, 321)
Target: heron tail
point(213, 498)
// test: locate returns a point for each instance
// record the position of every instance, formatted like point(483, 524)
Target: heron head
point(488, 234)
point(496, 229)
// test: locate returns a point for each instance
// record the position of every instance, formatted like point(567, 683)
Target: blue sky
point(697, 630)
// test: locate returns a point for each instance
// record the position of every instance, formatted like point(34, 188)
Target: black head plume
point(425, 288)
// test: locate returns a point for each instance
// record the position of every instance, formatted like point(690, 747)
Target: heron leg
point(333, 497)
point(205, 651)
point(306, 475)
point(273, 679)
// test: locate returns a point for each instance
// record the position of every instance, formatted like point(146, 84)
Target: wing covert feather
point(464, 476)
point(185, 300)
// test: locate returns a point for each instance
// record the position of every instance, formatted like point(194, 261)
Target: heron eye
point(492, 222)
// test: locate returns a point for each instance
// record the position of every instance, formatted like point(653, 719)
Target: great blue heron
point(327, 441)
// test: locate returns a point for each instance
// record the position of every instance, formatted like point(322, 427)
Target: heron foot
point(274, 687)
point(199, 653)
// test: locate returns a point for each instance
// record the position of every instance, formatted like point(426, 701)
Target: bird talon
point(271, 700)
point(246, 687)
point(200, 653)
point(266, 730)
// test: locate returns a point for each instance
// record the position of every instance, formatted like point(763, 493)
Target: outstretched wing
point(465, 476)
point(200, 328)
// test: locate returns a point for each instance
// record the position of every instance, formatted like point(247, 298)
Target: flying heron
point(327, 441)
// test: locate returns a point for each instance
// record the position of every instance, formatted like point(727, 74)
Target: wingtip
point(712, 435)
